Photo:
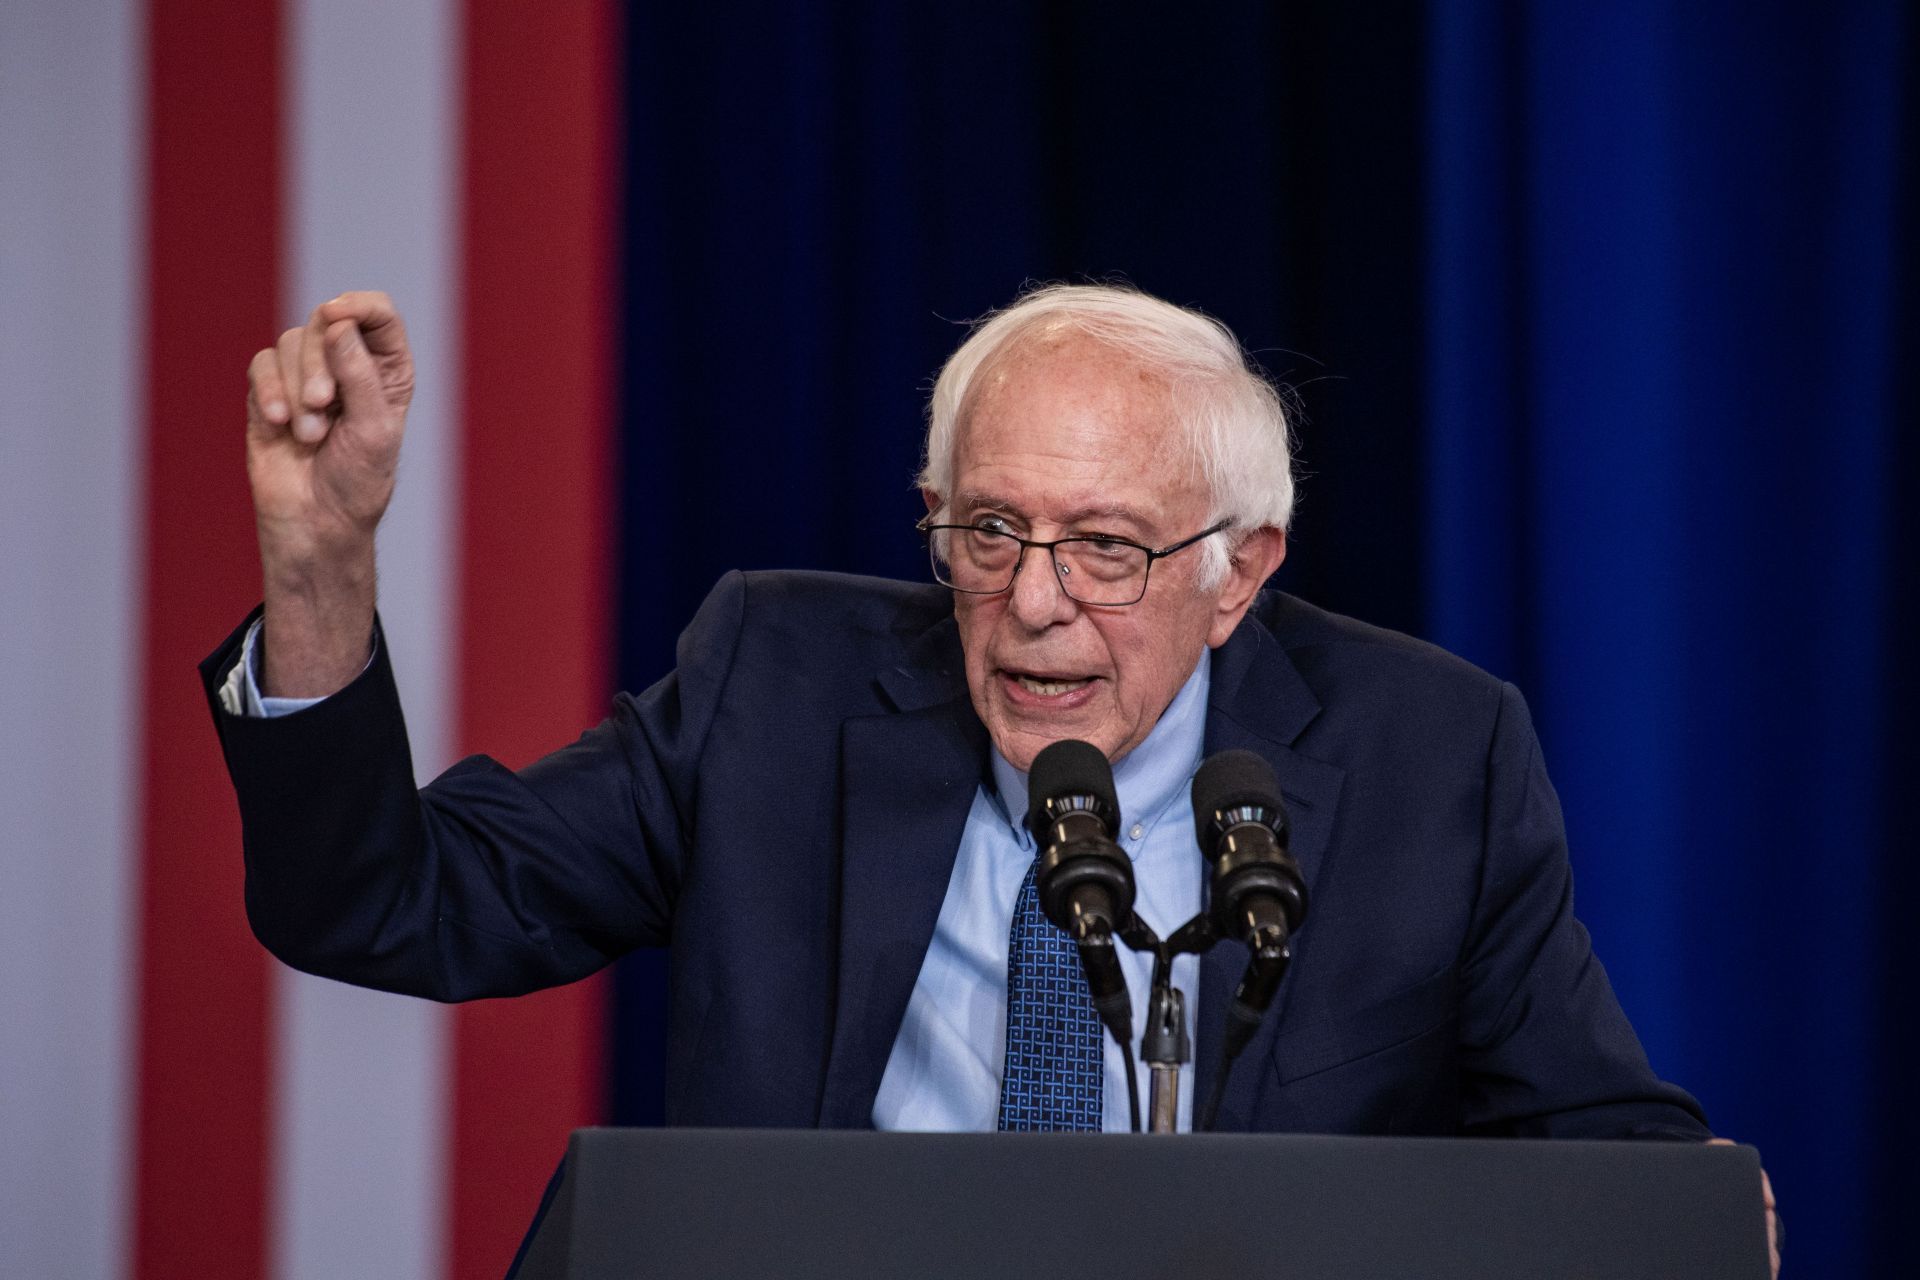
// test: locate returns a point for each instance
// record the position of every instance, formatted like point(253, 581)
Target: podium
point(794, 1203)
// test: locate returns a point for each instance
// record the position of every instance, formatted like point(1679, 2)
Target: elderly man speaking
point(820, 810)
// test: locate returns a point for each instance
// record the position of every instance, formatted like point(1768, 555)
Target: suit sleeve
point(488, 881)
point(1547, 1050)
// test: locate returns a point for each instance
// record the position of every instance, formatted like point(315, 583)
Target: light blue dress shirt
point(240, 691)
point(944, 1072)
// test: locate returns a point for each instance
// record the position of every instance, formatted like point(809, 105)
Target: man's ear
point(1253, 562)
point(932, 500)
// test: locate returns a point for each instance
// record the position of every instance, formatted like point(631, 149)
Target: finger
point(375, 314)
point(315, 387)
point(353, 370)
point(266, 395)
point(309, 427)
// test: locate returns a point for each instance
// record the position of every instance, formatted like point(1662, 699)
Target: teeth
point(1048, 688)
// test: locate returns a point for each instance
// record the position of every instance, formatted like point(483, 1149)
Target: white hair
point(1235, 419)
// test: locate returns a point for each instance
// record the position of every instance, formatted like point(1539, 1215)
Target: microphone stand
point(1165, 1045)
point(1165, 1049)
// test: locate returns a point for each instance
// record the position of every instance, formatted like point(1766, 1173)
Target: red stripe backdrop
point(539, 90)
point(213, 102)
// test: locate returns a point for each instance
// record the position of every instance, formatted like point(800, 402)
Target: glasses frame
point(1053, 556)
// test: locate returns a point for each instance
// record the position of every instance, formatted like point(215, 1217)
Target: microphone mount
point(1085, 882)
point(1257, 897)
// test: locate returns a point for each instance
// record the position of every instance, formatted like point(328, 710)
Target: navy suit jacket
point(782, 811)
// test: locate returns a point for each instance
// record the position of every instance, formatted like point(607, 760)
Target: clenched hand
point(326, 409)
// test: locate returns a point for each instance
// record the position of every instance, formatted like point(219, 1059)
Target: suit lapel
point(907, 782)
point(1260, 703)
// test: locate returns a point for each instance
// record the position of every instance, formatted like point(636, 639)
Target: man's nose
point(1039, 598)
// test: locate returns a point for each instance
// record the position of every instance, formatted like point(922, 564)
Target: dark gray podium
point(761, 1203)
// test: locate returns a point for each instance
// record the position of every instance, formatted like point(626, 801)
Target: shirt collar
point(1147, 780)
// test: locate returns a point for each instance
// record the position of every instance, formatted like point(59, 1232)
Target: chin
point(1020, 741)
point(1020, 745)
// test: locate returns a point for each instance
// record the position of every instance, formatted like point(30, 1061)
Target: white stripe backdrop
point(71, 311)
point(372, 201)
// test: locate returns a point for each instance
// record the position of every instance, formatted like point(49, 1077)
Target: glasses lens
point(1101, 570)
point(974, 559)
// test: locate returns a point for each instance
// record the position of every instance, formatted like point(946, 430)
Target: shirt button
point(1137, 831)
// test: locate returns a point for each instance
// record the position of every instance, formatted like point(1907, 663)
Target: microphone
point(1085, 882)
point(1257, 894)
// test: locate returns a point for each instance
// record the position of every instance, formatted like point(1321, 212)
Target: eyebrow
point(976, 501)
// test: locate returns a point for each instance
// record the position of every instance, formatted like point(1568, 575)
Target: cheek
point(1135, 655)
point(1155, 659)
point(975, 617)
point(973, 624)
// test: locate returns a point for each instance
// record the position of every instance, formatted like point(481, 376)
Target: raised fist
point(326, 408)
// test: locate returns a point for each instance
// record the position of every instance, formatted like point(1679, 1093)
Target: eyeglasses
point(1092, 570)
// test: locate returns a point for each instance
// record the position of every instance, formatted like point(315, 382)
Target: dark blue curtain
point(1671, 285)
point(1596, 316)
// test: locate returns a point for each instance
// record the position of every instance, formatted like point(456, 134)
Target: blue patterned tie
point(1054, 1067)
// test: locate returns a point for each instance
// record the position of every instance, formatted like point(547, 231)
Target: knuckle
point(357, 302)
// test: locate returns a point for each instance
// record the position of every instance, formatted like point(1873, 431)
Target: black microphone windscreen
point(1230, 780)
point(1068, 768)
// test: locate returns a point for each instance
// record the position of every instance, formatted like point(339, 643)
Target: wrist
point(295, 553)
point(318, 622)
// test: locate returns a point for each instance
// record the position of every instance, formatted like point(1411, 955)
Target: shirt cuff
point(240, 691)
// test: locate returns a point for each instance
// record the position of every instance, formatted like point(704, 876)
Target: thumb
point(354, 372)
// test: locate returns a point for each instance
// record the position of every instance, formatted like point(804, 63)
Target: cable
point(1133, 1087)
point(1215, 1092)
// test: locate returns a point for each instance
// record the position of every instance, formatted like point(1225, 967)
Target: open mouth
point(1047, 685)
